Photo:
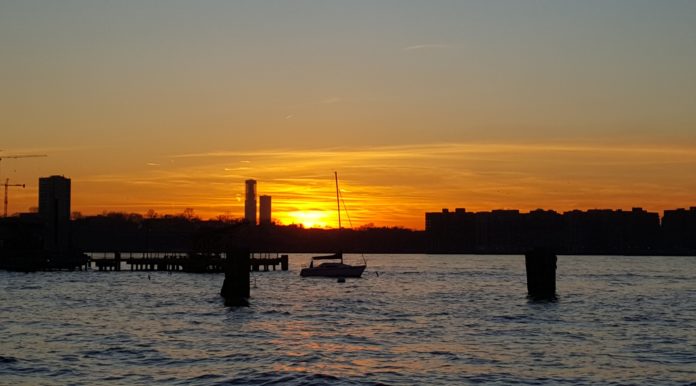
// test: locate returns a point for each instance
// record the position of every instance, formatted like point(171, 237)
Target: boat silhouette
point(334, 267)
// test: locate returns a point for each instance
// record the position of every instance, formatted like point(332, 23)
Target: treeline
point(183, 233)
point(600, 232)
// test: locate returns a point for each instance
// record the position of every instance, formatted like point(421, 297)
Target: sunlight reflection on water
point(423, 320)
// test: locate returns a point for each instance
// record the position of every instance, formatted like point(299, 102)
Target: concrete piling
point(236, 287)
point(541, 275)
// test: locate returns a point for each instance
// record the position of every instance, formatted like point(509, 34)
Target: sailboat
point(334, 266)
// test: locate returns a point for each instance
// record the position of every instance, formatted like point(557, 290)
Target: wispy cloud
point(439, 150)
point(46, 150)
point(425, 46)
point(332, 100)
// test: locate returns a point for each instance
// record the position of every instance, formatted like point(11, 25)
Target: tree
point(188, 214)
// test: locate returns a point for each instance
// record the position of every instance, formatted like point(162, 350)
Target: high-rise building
point(250, 202)
point(265, 210)
point(54, 210)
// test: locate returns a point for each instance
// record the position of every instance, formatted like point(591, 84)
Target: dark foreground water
point(424, 320)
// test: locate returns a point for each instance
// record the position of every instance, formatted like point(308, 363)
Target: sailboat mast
point(338, 203)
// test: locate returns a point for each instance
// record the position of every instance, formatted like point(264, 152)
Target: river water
point(411, 320)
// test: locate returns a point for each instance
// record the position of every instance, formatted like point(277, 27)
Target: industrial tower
point(250, 202)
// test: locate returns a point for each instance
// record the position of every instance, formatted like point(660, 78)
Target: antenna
point(338, 203)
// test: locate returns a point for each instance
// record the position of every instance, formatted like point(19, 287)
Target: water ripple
point(436, 320)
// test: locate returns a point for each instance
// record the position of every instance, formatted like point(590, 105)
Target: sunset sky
point(418, 105)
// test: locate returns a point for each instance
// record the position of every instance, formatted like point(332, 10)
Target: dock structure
point(266, 260)
point(182, 262)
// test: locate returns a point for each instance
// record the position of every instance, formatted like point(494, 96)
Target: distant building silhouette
point(250, 202)
point(597, 231)
point(679, 229)
point(54, 209)
point(265, 210)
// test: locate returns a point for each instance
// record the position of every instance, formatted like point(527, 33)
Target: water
point(435, 320)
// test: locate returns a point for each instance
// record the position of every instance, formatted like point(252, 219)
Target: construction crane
point(20, 156)
point(7, 185)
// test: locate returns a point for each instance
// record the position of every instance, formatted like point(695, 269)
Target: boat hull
point(352, 271)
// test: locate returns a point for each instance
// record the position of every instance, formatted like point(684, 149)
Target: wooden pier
point(182, 262)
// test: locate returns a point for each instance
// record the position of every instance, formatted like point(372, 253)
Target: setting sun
point(310, 219)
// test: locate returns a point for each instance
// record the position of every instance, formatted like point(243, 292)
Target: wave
point(8, 359)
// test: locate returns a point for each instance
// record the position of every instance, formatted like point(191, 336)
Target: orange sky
point(419, 106)
point(386, 186)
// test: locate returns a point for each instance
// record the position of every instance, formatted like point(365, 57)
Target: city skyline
point(418, 106)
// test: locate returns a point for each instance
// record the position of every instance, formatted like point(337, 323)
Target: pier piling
point(236, 287)
point(541, 274)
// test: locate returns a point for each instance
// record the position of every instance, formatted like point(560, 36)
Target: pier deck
point(179, 262)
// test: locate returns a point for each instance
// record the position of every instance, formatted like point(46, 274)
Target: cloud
point(54, 149)
point(210, 154)
point(435, 151)
point(330, 101)
point(426, 47)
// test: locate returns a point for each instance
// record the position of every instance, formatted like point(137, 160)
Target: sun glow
point(310, 219)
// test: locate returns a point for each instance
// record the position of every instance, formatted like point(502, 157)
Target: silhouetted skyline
point(599, 232)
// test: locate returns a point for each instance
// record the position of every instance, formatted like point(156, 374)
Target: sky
point(418, 105)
